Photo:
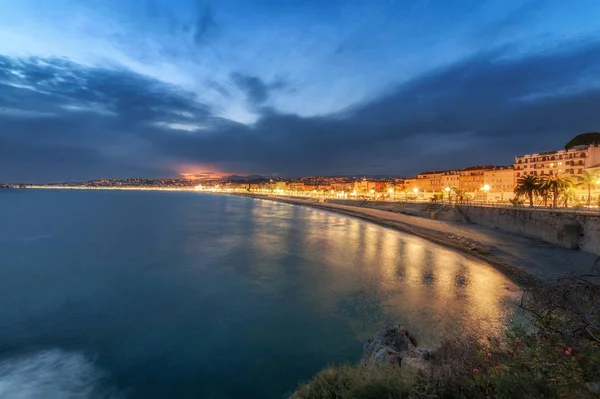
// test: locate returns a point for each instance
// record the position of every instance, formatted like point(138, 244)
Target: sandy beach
point(522, 259)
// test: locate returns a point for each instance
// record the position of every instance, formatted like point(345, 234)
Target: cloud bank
point(341, 89)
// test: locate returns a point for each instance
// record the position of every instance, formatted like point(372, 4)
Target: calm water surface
point(125, 294)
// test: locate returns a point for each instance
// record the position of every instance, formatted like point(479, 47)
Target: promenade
point(521, 259)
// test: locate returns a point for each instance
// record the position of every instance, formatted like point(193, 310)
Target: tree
point(591, 138)
point(528, 186)
point(460, 194)
point(555, 185)
point(567, 196)
point(588, 179)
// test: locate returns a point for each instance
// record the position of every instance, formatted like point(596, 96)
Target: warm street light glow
point(415, 190)
point(486, 187)
point(391, 190)
point(447, 189)
point(372, 191)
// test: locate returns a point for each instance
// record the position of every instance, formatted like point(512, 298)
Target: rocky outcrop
point(393, 345)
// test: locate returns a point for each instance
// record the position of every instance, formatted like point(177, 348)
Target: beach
point(522, 259)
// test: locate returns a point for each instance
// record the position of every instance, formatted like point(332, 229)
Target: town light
point(415, 190)
point(486, 187)
point(391, 190)
point(372, 191)
point(447, 189)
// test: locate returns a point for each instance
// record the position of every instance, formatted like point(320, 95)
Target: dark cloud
point(205, 27)
point(485, 109)
point(256, 90)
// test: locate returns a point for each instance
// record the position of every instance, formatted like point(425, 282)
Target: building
point(344, 186)
point(569, 162)
point(500, 179)
point(365, 185)
point(430, 182)
point(279, 185)
point(472, 179)
point(296, 186)
point(411, 183)
point(450, 179)
point(499, 183)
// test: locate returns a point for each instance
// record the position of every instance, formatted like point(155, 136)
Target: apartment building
point(430, 182)
point(472, 179)
point(450, 179)
point(500, 179)
point(569, 162)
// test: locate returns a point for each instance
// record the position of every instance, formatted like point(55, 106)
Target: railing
point(593, 210)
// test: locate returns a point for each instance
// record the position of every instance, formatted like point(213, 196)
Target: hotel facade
point(570, 162)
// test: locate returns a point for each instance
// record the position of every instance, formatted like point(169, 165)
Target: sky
point(161, 88)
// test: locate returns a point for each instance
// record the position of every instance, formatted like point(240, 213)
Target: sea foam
point(51, 374)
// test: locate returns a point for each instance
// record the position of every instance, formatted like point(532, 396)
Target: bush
point(358, 382)
point(516, 201)
point(558, 357)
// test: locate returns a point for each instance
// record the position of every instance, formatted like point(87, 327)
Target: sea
point(150, 294)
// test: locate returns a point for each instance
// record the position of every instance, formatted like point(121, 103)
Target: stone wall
point(569, 230)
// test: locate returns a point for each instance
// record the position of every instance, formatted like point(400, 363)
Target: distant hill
point(584, 139)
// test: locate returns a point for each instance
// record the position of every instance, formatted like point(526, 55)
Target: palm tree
point(568, 195)
point(460, 194)
point(528, 186)
point(555, 185)
point(588, 179)
point(544, 192)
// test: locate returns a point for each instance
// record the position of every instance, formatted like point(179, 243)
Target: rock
point(593, 387)
point(388, 346)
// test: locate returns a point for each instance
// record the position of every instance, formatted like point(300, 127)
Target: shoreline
point(523, 260)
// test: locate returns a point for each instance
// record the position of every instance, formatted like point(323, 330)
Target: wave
point(52, 374)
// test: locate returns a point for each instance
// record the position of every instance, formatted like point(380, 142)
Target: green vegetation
point(528, 186)
point(584, 139)
point(557, 356)
point(554, 186)
point(557, 188)
point(516, 201)
point(589, 179)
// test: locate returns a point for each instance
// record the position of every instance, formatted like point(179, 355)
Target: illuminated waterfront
point(168, 292)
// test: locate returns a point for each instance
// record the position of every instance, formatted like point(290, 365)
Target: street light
point(391, 191)
point(486, 189)
point(416, 191)
point(447, 190)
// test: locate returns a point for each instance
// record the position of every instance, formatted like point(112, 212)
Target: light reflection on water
point(388, 274)
point(167, 293)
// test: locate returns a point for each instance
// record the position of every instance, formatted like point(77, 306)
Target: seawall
point(520, 258)
point(565, 229)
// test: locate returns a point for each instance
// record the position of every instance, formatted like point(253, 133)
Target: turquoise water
point(129, 294)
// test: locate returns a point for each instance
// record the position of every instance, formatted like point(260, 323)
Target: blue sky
point(92, 89)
